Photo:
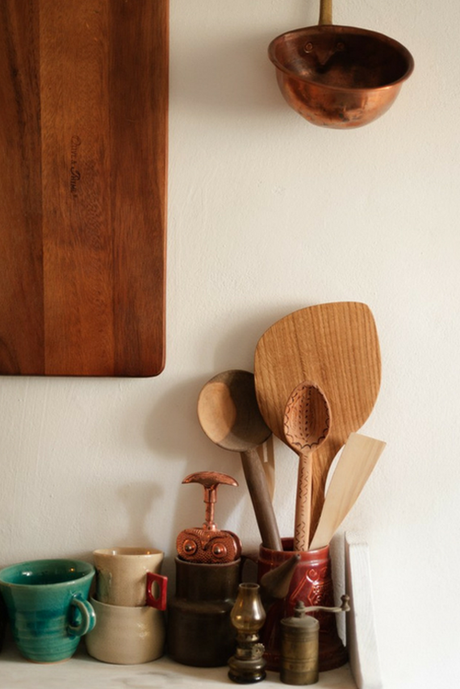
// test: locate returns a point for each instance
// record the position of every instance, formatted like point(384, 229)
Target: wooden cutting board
point(83, 146)
point(331, 345)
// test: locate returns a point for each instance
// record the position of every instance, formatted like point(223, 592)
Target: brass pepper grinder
point(300, 643)
point(247, 616)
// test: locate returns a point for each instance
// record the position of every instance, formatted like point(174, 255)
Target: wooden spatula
point(335, 346)
point(355, 465)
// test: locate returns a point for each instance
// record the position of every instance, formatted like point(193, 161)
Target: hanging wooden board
point(83, 148)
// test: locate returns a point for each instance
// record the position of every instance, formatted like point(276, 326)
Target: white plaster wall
point(268, 214)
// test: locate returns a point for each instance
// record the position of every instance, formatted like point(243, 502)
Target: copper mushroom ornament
point(339, 76)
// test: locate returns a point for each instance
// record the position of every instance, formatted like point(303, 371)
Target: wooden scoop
point(355, 465)
point(229, 415)
point(336, 346)
point(306, 427)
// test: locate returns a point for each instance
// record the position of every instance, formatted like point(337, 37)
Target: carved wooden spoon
point(230, 417)
point(306, 426)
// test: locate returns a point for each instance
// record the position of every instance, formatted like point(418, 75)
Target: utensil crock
point(312, 584)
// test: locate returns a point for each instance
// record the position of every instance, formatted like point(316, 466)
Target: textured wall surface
point(268, 214)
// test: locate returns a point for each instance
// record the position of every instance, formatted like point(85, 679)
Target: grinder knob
point(208, 544)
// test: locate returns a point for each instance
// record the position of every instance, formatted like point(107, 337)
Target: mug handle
point(160, 601)
point(88, 616)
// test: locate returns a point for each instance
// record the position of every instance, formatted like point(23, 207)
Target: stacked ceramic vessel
point(129, 602)
point(47, 606)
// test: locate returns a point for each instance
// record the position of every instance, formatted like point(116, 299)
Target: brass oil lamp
point(247, 616)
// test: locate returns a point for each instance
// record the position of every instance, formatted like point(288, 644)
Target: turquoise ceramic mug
point(48, 607)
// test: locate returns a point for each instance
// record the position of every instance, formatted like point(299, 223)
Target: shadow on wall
point(236, 348)
point(174, 434)
point(234, 75)
point(232, 71)
point(139, 501)
point(172, 429)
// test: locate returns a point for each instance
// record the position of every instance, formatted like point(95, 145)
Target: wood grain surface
point(356, 463)
point(83, 141)
point(334, 346)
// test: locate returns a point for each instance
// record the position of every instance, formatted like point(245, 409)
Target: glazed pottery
point(126, 635)
point(130, 577)
point(312, 584)
point(48, 607)
point(3, 619)
point(200, 631)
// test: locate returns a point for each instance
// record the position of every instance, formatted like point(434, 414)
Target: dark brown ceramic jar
point(199, 630)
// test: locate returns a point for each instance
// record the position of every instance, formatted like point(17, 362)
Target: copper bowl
point(339, 76)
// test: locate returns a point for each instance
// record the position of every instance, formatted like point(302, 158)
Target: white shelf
point(83, 672)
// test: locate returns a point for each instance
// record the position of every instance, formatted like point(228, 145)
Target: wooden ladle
point(306, 426)
point(230, 417)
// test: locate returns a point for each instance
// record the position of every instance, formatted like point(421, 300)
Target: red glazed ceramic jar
point(312, 584)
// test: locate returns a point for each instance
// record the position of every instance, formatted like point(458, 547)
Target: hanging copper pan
point(339, 76)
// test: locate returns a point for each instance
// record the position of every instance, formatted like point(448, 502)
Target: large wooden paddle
point(335, 346)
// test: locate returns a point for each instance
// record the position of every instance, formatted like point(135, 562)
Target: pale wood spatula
point(359, 457)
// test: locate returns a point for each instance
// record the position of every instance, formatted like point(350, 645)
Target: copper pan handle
point(325, 12)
